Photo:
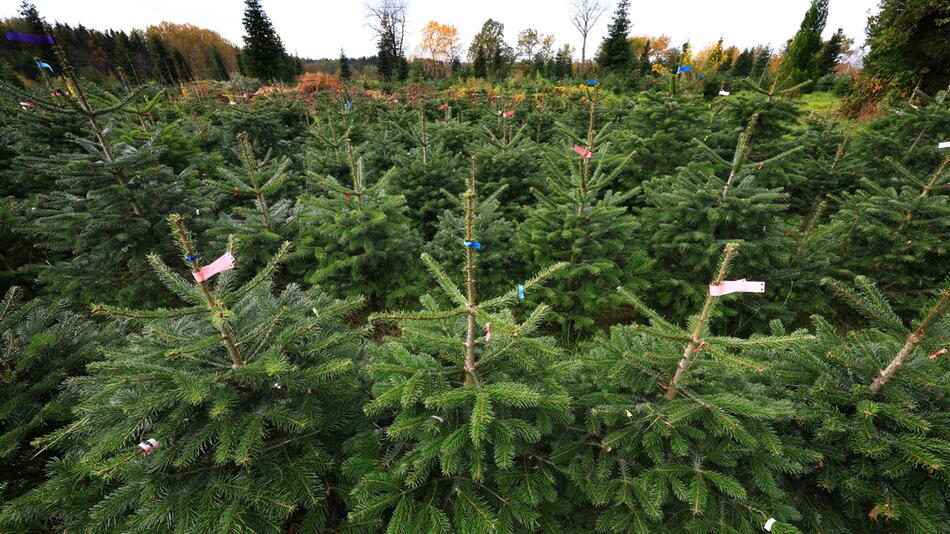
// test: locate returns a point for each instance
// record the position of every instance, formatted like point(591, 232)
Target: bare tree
point(387, 19)
point(584, 15)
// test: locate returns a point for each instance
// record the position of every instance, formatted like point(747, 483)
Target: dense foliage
point(476, 309)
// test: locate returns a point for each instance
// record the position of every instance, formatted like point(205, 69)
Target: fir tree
point(356, 235)
point(464, 413)
point(15, 249)
point(645, 66)
point(615, 53)
point(507, 157)
point(578, 219)
point(240, 400)
point(760, 67)
point(831, 51)
point(777, 120)
point(893, 231)
point(96, 225)
point(480, 65)
point(680, 436)
point(497, 265)
point(263, 55)
point(426, 171)
point(874, 405)
point(685, 218)
point(933, 116)
point(391, 65)
point(162, 59)
point(743, 64)
point(489, 53)
point(803, 58)
point(345, 71)
point(42, 344)
point(562, 64)
point(220, 69)
point(663, 123)
point(261, 227)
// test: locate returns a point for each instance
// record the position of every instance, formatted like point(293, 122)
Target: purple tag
point(30, 38)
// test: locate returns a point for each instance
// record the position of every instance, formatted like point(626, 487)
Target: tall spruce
point(831, 51)
point(803, 58)
point(742, 67)
point(346, 72)
point(615, 53)
point(263, 55)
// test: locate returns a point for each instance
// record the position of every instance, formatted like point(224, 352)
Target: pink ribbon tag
point(224, 263)
point(443, 106)
point(944, 144)
point(736, 286)
point(508, 114)
point(149, 447)
point(582, 151)
point(487, 331)
point(938, 353)
point(26, 105)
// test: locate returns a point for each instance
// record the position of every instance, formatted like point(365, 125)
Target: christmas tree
point(498, 264)
point(680, 434)
point(507, 157)
point(578, 219)
point(874, 405)
point(239, 402)
point(356, 234)
point(261, 227)
point(42, 344)
point(687, 218)
point(463, 411)
point(893, 232)
point(96, 225)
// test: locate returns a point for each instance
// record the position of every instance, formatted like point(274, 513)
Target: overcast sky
point(319, 28)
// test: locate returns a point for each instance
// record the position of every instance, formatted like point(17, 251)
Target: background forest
point(495, 292)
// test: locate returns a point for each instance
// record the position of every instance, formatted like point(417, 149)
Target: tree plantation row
point(517, 308)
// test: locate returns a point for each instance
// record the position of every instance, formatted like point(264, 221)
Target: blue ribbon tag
point(520, 292)
point(684, 68)
point(591, 83)
point(348, 105)
point(472, 244)
point(44, 65)
point(192, 258)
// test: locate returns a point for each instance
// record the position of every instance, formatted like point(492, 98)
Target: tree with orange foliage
point(440, 44)
point(198, 45)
